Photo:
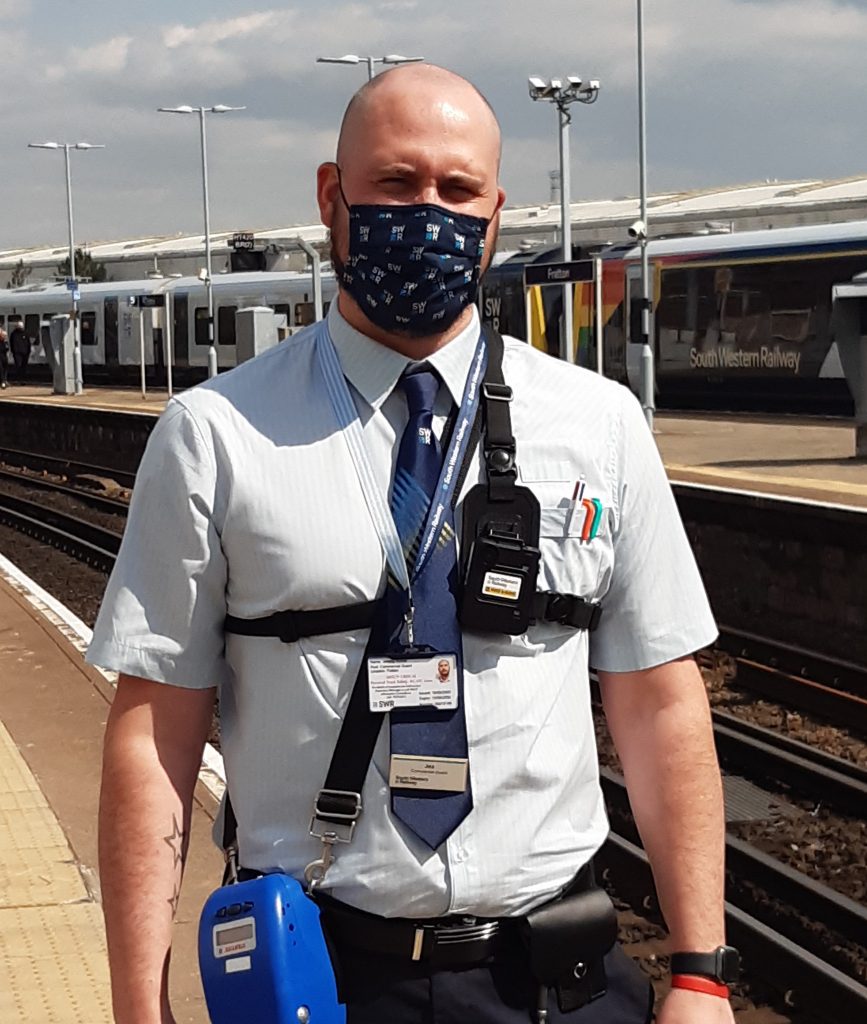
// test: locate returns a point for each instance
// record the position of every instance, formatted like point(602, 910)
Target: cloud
point(737, 90)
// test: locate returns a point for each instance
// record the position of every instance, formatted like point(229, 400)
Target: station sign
point(242, 240)
point(147, 301)
point(71, 284)
point(558, 273)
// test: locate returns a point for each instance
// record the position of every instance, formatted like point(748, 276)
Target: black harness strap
point(291, 626)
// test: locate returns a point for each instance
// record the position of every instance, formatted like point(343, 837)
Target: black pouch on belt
point(566, 941)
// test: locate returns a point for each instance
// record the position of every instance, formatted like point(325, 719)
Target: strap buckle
point(335, 815)
point(496, 392)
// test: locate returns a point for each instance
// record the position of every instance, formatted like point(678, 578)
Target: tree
point(19, 275)
point(85, 267)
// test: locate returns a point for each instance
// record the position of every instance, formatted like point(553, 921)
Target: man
point(271, 511)
point(4, 357)
point(20, 345)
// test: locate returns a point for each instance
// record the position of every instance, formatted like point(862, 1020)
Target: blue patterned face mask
point(413, 269)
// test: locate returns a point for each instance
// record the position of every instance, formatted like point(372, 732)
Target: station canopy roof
point(765, 198)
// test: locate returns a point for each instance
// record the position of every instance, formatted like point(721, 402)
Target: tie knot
point(420, 387)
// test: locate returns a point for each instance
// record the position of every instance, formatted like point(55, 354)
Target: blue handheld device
point(263, 957)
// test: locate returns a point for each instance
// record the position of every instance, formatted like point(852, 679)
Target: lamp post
point(219, 108)
point(76, 333)
point(352, 58)
point(648, 401)
point(562, 96)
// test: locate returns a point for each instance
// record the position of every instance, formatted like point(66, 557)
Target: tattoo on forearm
point(173, 899)
point(177, 842)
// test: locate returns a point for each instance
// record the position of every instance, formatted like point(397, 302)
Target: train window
point(304, 314)
point(202, 326)
point(226, 325)
point(88, 329)
point(181, 324)
point(283, 309)
point(31, 326)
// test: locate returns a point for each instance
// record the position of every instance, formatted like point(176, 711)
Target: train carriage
point(740, 320)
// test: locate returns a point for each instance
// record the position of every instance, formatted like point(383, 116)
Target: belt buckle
point(443, 936)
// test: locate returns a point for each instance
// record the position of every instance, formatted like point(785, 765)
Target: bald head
point(416, 135)
point(444, 94)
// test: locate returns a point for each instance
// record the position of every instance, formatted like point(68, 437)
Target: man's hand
point(682, 1006)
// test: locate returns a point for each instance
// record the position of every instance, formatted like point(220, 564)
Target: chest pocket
point(575, 543)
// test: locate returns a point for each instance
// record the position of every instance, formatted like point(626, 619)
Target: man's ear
point(327, 191)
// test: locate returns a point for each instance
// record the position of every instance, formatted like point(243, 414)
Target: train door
point(181, 329)
point(127, 334)
point(634, 336)
point(110, 330)
point(227, 352)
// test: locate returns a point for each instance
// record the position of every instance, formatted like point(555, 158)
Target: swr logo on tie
point(424, 435)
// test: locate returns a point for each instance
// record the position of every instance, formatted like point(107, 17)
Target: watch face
point(728, 964)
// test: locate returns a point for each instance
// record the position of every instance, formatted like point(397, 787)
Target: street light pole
point(213, 368)
point(77, 369)
point(219, 108)
point(566, 350)
point(648, 401)
point(76, 330)
point(575, 91)
point(353, 58)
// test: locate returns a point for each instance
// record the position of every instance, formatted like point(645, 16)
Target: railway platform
point(805, 457)
point(53, 708)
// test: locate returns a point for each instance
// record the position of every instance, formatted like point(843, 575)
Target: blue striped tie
point(427, 732)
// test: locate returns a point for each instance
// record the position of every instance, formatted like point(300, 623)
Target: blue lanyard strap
point(455, 456)
point(377, 504)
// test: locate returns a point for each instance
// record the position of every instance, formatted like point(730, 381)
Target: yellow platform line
point(772, 483)
point(53, 961)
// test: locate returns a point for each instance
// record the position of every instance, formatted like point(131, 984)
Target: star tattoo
point(173, 900)
point(176, 841)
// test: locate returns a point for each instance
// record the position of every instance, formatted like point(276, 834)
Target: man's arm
point(153, 747)
point(660, 723)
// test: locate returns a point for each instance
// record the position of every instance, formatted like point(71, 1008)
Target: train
point(115, 330)
point(739, 321)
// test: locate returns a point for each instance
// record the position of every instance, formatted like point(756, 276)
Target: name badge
point(445, 774)
point(430, 681)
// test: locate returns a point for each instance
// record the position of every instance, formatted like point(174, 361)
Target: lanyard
point(378, 506)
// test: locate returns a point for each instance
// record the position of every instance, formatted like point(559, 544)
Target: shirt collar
point(373, 369)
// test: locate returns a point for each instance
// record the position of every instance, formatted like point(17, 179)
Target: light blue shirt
point(247, 502)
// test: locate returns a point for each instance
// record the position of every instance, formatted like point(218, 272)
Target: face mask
point(413, 269)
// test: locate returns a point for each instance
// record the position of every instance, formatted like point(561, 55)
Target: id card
point(415, 682)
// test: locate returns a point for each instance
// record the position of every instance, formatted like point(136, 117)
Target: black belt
point(440, 942)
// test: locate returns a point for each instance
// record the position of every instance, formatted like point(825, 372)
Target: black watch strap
point(722, 964)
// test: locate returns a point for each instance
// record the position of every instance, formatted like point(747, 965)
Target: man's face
point(443, 669)
point(417, 143)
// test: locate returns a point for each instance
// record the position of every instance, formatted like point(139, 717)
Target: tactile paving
point(53, 962)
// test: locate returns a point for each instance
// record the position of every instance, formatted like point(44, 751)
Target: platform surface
point(53, 708)
point(811, 458)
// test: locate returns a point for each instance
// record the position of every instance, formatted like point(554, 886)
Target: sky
point(738, 91)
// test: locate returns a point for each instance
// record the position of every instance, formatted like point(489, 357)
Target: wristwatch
point(723, 964)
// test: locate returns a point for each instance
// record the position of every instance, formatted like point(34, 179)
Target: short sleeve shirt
point(247, 502)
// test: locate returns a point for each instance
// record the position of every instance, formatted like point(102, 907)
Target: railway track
point(88, 543)
point(88, 497)
point(805, 980)
point(831, 688)
point(63, 466)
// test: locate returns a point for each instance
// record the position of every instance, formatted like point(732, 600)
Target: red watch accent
point(696, 984)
